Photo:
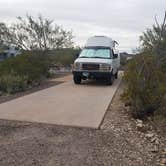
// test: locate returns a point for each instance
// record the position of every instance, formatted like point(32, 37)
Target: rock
point(157, 142)
point(139, 123)
point(36, 84)
point(1, 93)
point(149, 135)
point(153, 139)
point(163, 161)
point(126, 109)
point(30, 87)
point(164, 152)
point(155, 149)
point(127, 104)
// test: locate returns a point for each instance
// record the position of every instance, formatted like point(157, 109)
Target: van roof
point(102, 41)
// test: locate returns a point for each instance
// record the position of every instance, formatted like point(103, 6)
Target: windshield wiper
point(94, 57)
point(84, 57)
point(100, 57)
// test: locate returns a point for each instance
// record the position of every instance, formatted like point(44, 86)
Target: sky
point(122, 20)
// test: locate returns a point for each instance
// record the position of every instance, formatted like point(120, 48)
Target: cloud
point(122, 20)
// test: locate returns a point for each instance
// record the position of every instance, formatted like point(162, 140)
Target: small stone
point(36, 84)
point(149, 135)
point(163, 161)
point(155, 149)
point(154, 140)
point(157, 142)
point(127, 104)
point(139, 123)
point(30, 87)
point(164, 151)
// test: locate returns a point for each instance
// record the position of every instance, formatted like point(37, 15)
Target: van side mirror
point(115, 56)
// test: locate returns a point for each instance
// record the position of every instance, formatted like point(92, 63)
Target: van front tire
point(77, 79)
point(110, 80)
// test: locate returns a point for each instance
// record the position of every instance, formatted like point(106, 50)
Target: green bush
point(145, 85)
point(24, 69)
point(123, 61)
point(31, 67)
point(145, 75)
point(12, 83)
point(63, 57)
point(34, 65)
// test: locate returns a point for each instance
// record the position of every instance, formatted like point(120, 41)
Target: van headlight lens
point(77, 66)
point(105, 67)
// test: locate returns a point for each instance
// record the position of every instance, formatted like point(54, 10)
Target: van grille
point(90, 66)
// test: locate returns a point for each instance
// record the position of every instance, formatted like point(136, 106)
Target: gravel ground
point(116, 143)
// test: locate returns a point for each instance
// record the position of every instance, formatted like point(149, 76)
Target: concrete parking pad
point(65, 104)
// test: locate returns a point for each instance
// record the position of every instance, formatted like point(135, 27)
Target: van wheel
point(116, 75)
point(77, 79)
point(110, 80)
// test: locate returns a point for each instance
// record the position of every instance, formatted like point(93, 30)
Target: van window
point(104, 53)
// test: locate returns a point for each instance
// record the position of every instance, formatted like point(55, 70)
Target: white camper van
point(98, 60)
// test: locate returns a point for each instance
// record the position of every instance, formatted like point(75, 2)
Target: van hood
point(93, 60)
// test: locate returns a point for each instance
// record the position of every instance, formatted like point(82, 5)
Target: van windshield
point(104, 53)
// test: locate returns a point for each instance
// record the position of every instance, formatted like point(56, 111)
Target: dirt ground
point(117, 143)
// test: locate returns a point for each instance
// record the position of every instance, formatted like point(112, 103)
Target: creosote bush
point(146, 85)
point(145, 75)
point(64, 57)
point(17, 73)
point(12, 83)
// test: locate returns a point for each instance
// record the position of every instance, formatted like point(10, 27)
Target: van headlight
point(77, 66)
point(105, 67)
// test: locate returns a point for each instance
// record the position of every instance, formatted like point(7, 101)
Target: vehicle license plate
point(85, 74)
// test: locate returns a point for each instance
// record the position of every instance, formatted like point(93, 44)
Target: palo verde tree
point(154, 41)
point(35, 34)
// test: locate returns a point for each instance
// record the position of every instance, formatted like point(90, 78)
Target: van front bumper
point(91, 74)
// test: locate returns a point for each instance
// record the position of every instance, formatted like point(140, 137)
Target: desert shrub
point(63, 57)
point(123, 60)
point(145, 75)
point(27, 68)
point(11, 83)
point(146, 88)
point(34, 65)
